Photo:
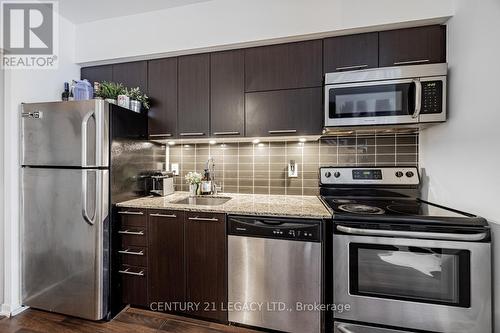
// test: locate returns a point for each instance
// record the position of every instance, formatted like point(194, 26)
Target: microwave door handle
point(413, 234)
point(418, 98)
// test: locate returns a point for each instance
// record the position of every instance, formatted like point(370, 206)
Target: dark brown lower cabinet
point(166, 256)
point(134, 281)
point(131, 254)
point(173, 258)
point(206, 278)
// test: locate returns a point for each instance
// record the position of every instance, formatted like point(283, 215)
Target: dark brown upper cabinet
point(206, 274)
point(227, 91)
point(350, 52)
point(97, 73)
point(132, 74)
point(284, 112)
point(162, 89)
point(284, 66)
point(166, 256)
point(422, 45)
point(194, 96)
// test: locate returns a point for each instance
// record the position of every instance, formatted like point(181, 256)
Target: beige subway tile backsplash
point(263, 168)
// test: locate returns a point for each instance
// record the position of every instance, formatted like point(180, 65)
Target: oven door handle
point(344, 329)
point(413, 234)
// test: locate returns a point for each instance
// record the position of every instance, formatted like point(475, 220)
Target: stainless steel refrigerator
point(70, 151)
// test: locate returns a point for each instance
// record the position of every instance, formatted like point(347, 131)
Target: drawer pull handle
point(192, 134)
point(126, 212)
point(283, 131)
point(226, 133)
point(411, 62)
point(128, 232)
point(128, 272)
point(350, 67)
point(173, 216)
point(127, 251)
point(208, 219)
point(160, 135)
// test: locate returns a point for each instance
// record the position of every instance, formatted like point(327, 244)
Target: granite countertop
point(251, 204)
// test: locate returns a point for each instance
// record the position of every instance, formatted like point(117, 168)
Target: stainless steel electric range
point(401, 263)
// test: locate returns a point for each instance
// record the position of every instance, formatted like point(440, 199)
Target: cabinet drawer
point(133, 255)
point(134, 285)
point(132, 217)
point(205, 217)
point(133, 236)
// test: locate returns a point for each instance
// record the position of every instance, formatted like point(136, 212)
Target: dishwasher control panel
point(276, 228)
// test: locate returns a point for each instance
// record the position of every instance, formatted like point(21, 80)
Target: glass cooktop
point(398, 209)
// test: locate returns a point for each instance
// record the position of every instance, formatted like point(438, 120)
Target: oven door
point(440, 286)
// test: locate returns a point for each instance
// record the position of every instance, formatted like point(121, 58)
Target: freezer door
point(64, 217)
point(73, 134)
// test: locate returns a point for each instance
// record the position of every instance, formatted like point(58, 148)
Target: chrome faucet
point(210, 166)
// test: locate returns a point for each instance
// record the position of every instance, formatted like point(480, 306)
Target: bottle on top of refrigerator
point(71, 96)
point(65, 94)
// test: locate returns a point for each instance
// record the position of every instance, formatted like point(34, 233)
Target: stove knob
point(336, 174)
point(409, 174)
point(399, 174)
point(328, 174)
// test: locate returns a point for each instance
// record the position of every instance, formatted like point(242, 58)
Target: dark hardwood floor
point(130, 320)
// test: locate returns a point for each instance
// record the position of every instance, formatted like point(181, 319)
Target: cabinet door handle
point(173, 216)
point(127, 251)
point(125, 212)
point(409, 62)
point(160, 135)
point(283, 131)
point(226, 133)
point(208, 219)
point(128, 272)
point(127, 232)
point(192, 134)
point(351, 67)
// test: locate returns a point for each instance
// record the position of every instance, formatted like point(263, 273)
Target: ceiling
point(78, 11)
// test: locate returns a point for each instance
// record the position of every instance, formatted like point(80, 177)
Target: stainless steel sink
point(204, 201)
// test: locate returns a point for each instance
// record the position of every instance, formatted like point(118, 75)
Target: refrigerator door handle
point(85, 122)
point(88, 219)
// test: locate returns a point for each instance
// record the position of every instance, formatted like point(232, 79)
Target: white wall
point(215, 23)
point(462, 157)
point(26, 86)
point(2, 74)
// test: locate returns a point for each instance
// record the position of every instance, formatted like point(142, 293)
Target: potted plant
point(109, 91)
point(194, 180)
point(138, 100)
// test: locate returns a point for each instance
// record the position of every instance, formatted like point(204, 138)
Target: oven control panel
point(369, 175)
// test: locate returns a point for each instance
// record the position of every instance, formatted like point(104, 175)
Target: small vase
point(135, 105)
point(110, 100)
point(193, 190)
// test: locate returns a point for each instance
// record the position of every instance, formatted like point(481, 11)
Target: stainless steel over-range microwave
point(386, 96)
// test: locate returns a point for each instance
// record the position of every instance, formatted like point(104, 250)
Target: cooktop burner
point(361, 209)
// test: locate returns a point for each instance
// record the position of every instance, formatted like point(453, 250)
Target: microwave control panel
point(432, 97)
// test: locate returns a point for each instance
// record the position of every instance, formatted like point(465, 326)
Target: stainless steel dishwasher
point(275, 273)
